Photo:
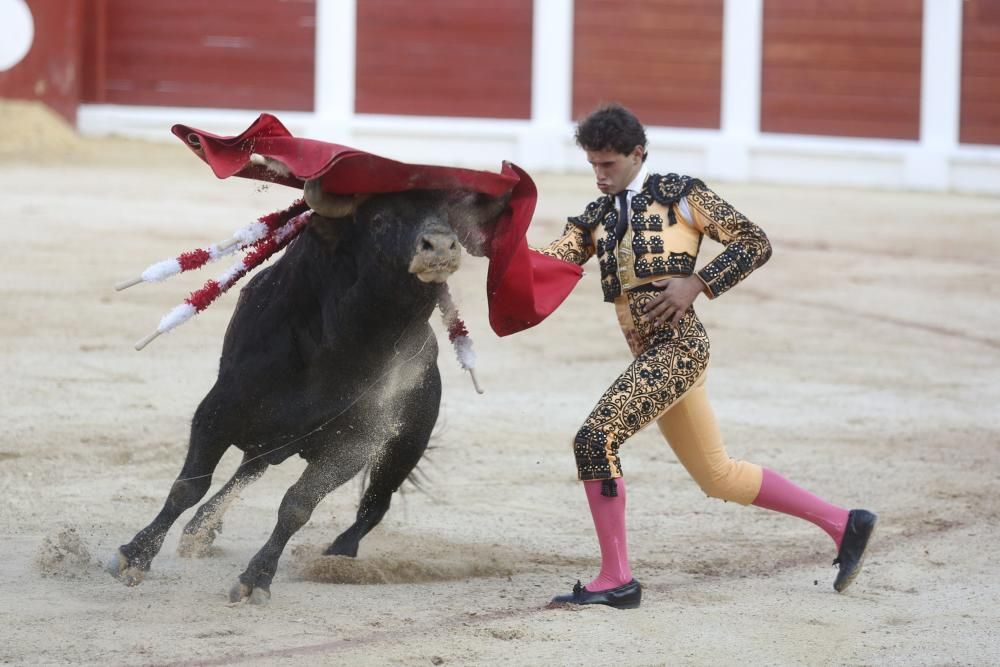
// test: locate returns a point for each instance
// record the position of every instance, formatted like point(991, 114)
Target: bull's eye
point(454, 244)
point(426, 245)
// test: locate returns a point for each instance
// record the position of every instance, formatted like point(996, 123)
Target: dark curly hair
point(611, 127)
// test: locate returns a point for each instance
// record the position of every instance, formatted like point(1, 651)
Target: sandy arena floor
point(861, 362)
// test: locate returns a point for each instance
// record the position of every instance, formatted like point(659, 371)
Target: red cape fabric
point(523, 286)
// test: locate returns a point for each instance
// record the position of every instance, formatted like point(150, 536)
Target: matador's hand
point(677, 296)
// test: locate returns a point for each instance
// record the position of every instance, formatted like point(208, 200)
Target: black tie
point(622, 214)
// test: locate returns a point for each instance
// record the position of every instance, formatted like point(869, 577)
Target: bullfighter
point(646, 230)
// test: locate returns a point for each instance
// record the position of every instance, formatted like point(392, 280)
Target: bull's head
point(419, 231)
point(425, 229)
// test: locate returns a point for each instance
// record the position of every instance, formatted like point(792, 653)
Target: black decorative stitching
point(651, 223)
point(668, 189)
point(645, 268)
point(590, 447)
point(680, 263)
point(591, 215)
point(641, 245)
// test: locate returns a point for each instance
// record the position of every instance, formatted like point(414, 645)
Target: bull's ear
point(474, 216)
point(329, 205)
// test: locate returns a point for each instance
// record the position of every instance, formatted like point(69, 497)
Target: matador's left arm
point(747, 247)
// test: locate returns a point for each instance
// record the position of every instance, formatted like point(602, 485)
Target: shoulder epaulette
point(669, 188)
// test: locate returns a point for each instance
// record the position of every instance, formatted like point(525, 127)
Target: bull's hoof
point(199, 536)
point(120, 568)
point(342, 548)
point(241, 592)
point(196, 545)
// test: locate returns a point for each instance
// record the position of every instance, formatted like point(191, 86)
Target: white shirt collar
point(635, 187)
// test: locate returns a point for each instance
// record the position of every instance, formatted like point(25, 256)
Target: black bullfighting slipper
point(851, 556)
point(627, 596)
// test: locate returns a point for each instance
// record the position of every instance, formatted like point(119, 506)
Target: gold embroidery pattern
point(668, 364)
point(573, 246)
point(639, 332)
point(747, 247)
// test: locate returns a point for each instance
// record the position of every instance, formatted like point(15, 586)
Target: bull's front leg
point(418, 411)
point(133, 559)
point(391, 469)
point(317, 480)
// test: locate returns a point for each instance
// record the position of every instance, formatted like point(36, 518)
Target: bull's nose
point(438, 243)
point(437, 256)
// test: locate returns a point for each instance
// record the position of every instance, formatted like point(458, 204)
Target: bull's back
point(276, 322)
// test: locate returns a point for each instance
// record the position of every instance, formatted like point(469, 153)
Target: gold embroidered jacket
point(655, 245)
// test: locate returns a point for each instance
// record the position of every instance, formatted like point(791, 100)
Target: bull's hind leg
point(319, 478)
point(133, 559)
point(201, 530)
point(388, 473)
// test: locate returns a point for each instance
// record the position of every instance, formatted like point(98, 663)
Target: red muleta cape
point(523, 286)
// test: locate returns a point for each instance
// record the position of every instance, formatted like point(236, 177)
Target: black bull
point(329, 355)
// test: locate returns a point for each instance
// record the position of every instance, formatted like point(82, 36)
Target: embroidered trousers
point(665, 382)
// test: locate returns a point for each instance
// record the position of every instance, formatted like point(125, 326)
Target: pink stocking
point(609, 522)
point(778, 494)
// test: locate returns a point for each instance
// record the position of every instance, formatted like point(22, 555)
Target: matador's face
point(614, 170)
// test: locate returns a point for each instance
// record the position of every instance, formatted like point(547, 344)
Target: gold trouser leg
point(693, 433)
point(668, 363)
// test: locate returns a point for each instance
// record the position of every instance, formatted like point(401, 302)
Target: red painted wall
point(660, 58)
point(239, 54)
point(846, 68)
point(980, 105)
point(444, 58)
point(50, 72)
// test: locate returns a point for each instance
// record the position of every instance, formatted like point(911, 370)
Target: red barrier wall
point(236, 54)
point(980, 110)
point(50, 72)
point(849, 68)
point(660, 58)
point(444, 58)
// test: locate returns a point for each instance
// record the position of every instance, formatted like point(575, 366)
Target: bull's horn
point(329, 205)
point(276, 166)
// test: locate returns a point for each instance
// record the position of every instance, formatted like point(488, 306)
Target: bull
point(328, 355)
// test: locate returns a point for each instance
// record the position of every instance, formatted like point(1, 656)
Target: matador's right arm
point(575, 245)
